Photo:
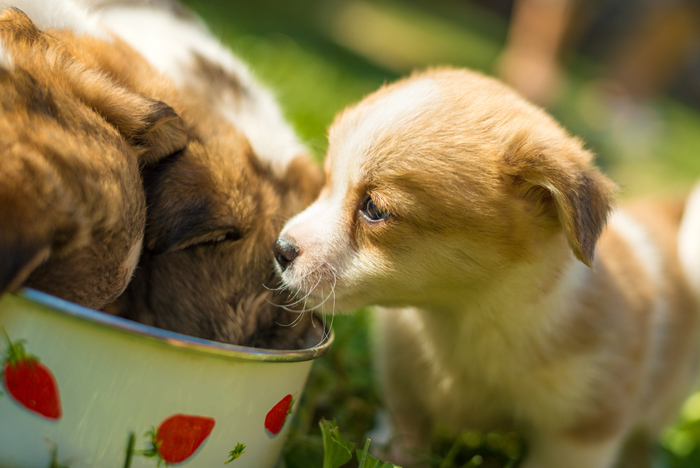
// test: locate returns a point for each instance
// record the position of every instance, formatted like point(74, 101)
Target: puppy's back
point(642, 244)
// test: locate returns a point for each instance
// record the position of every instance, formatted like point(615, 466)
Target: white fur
point(52, 14)
point(392, 110)
point(5, 58)
point(649, 257)
point(473, 359)
point(643, 246)
point(170, 43)
point(325, 218)
point(689, 240)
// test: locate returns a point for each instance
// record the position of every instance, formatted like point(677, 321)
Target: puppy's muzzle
point(285, 252)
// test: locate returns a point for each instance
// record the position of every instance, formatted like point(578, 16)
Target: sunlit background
point(624, 75)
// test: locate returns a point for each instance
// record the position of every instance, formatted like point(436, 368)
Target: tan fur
point(506, 301)
point(104, 157)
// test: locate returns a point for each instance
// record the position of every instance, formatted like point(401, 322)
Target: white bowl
point(117, 379)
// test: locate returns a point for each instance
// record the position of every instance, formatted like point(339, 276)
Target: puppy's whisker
point(305, 304)
point(294, 311)
point(303, 309)
point(327, 331)
point(306, 296)
point(321, 304)
point(294, 322)
point(307, 274)
point(278, 289)
point(289, 306)
point(294, 299)
point(282, 286)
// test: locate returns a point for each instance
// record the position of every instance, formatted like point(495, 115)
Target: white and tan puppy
point(479, 225)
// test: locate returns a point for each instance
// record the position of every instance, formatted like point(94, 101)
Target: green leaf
point(16, 352)
point(368, 461)
point(235, 453)
point(337, 450)
point(303, 451)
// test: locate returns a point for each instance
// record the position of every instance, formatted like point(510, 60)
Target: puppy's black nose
point(285, 252)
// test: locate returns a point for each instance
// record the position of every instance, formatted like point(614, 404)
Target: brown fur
point(60, 227)
point(102, 151)
point(216, 189)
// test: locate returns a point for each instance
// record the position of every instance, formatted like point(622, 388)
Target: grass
point(319, 56)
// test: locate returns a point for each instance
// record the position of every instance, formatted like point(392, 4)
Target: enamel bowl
point(105, 392)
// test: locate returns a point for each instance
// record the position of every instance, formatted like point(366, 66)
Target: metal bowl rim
point(173, 339)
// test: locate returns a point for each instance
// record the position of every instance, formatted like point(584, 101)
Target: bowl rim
point(169, 338)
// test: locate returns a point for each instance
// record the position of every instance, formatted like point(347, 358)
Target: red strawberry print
point(30, 382)
point(278, 414)
point(180, 435)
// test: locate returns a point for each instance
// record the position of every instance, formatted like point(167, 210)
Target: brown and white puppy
point(201, 208)
point(479, 226)
point(215, 209)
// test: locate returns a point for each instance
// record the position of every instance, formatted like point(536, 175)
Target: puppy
point(73, 135)
point(215, 209)
point(181, 239)
point(478, 225)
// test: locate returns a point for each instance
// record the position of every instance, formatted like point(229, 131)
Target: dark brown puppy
point(214, 211)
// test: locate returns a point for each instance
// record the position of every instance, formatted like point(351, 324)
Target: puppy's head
point(214, 211)
point(206, 270)
point(73, 135)
point(437, 185)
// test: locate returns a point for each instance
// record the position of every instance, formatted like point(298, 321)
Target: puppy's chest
point(489, 380)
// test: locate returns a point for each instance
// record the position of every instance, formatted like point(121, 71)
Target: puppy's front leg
point(410, 442)
point(551, 450)
point(396, 362)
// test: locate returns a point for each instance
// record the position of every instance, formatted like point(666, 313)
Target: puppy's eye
point(230, 236)
point(213, 238)
point(218, 237)
point(370, 211)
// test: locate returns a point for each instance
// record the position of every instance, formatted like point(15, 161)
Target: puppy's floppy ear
point(561, 181)
point(151, 126)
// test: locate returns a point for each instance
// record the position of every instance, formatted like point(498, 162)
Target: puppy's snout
point(285, 252)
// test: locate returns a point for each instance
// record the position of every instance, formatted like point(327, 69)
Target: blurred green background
point(320, 56)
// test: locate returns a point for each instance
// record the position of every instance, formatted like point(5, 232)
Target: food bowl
point(106, 392)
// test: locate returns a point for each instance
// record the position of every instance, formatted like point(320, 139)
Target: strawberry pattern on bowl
point(29, 382)
point(94, 384)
